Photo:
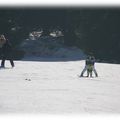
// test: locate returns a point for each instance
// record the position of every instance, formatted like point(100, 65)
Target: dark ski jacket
point(90, 61)
point(7, 50)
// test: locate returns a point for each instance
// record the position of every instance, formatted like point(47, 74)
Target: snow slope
point(54, 87)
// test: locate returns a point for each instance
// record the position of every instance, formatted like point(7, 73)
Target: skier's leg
point(83, 71)
point(87, 73)
point(90, 73)
point(3, 62)
point(95, 71)
point(12, 63)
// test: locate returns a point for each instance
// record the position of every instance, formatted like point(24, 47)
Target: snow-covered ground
point(54, 87)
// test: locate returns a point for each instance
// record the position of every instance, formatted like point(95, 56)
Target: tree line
point(95, 30)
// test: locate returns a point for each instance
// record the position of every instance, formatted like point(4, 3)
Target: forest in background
point(94, 30)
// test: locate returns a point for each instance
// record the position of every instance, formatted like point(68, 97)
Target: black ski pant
point(3, 62)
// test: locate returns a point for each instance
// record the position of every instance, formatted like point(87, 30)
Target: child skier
point(90, 68)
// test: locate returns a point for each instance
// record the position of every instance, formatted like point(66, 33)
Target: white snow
point(54, 87)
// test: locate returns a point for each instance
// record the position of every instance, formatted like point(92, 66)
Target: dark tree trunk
point(69, 37)
point(46, 31)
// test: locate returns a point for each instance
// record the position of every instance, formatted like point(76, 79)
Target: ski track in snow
point(54, 87)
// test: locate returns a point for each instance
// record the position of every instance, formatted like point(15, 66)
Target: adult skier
point(86, 66)
point(6, 51)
